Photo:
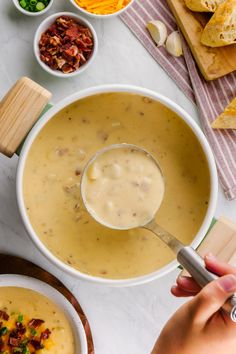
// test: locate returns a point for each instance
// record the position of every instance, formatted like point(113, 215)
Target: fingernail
point(210, 256)
point(173, 289)
point(228, 283)
point(182, 277)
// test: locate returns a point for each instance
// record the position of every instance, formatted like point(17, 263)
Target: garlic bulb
point(158, 31)
point(174, 44)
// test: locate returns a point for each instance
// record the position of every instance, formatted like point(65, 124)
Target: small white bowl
point(45, 24)
point(22, 281)
point(28, 13)
point(117, 13)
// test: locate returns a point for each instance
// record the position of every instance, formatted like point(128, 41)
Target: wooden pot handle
point(19, 110)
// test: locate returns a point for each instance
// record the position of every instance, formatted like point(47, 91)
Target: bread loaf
point(221, 29)
point(227, 119)
point(203, 5)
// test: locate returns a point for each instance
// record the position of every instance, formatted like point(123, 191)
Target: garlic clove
point(158, 32)
point(174, 44)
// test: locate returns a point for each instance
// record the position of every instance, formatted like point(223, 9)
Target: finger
point(213, 265)
point(217, 267)
point(212, 297)
point(188, 284)
point(178, 292)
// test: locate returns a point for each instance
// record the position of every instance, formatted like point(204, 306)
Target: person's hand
point(200, 326)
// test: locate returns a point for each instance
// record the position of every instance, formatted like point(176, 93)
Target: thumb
point(212, 297)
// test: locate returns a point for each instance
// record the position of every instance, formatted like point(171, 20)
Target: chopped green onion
point(24, 343)
point(23, 3)
point(33, 332)
point(26, 350)
point(3, 331)
point(40, 6)
point(34, 5)
point(20, 318)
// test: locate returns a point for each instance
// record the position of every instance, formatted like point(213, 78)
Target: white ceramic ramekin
point(106, 89)
point(45, 25)
point(33, 14)
point(114, 14)
point(21, 281)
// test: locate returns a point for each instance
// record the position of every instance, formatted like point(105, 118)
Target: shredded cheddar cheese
point(104, 7)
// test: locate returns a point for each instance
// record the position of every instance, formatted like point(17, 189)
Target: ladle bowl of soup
point(52, 161)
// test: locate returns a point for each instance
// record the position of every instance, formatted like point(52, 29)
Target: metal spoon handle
point(195, 265)
point(192, 262)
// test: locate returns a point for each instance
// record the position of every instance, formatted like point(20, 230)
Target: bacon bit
point(4, 315)
point(54, 40)
point(60, 62)
point(102, 135)
point(14, 342)
point(21, 330)
point(62, 151)
point(82, 58)
point(45, 334)
point(77, 206)
point(147, 100)
point(103, 271)
point(67, 69)
point(36, 344)
point(66, 45)
point(78, 172)
point(77, 62)
point(64, 21)
point(35, 323)
point(72, 51)
point(73, 32)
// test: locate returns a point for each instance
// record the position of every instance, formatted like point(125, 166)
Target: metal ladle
point(186, 255)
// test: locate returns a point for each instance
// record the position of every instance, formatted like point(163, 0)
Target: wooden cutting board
point(212, 62)
point(220, 241)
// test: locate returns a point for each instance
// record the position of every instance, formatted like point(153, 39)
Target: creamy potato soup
point(115, 174)
point(31, 323)
point(52, 176)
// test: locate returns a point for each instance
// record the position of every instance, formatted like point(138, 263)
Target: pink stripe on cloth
point(211, 97)
point(136, 18)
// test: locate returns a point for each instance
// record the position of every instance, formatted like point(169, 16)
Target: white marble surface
point(124, 320)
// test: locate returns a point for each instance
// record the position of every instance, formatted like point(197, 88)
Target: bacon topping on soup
point(18, 334)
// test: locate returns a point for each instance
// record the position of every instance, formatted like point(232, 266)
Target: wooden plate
point(213, 62)
point(16, 265)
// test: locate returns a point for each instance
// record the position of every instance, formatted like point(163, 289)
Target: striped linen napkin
point(210, 97)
